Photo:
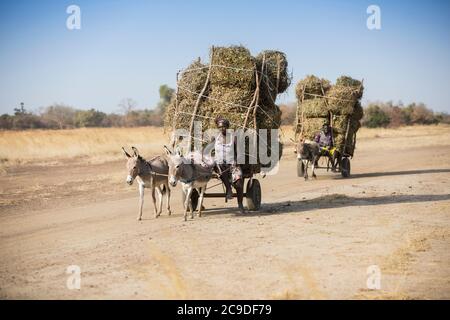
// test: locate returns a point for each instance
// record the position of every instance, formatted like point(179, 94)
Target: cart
point(252, 192)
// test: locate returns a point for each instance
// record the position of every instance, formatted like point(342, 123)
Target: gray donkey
point(149, 174)
point(308, 152)
point(193, 174)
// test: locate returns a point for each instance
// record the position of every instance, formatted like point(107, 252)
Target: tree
point(89, 118)
point(21, 110)
point(165, 95)
point(58, 116)
point(6, 121)
point(127, 105)
point(375, 117)
point(422, 115)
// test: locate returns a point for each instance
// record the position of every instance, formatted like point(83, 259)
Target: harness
point(194, 177)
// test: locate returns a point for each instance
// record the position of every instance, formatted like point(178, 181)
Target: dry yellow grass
point(97, 144)
point(104, 144)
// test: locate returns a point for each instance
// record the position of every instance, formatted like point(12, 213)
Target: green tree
point(375, 117)
point(89, 118)
point(165, 95)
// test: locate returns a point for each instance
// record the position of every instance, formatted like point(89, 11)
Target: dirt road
point(313, 239)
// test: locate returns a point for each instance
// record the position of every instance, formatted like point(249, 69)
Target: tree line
point(60, 116)
point(385, 114)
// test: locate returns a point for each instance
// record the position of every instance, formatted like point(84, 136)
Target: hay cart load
point(236, 86)
point(318, 103)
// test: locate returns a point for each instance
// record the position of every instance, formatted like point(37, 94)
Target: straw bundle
point(275, 75)
point(311, 87)
point(233, 67)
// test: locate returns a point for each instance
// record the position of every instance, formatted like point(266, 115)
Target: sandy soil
point(311, 240)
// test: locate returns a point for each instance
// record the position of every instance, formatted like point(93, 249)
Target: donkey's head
point(134, 166)
point(302, 148)
point(176, 166)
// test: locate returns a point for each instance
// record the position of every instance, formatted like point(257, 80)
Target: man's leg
point(225, 176)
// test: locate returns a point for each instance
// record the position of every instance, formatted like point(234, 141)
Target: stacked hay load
point(312, 110)
point(344, 103)
point(338, 105)
point(232, 87)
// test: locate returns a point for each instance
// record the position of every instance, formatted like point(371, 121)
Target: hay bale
point(340, 124)
point(358, 112)
point(275, 73)
point(310, 127)
point(343, 96)
point(311, 87)
point(231, 100)
point(342, 100)
point(192, 80)
point(347, 81)
point(314, 108)
point(234, 67)
point(346, 148)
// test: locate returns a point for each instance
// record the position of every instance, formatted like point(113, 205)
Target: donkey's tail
point(163, 189)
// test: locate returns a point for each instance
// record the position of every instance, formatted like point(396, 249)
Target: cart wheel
point(345, 167)
point(253, 195)
point(194, 199)
point(300, 168)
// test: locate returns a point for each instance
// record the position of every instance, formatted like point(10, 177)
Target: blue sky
point(129, 48)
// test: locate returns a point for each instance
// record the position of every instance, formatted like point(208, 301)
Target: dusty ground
point(311, 239)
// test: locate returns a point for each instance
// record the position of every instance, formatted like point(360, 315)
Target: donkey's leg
point(168, 198)
point(141, 200)
point(200, 202)
point(313, 167)
point(191, 207)
point(187, 202)
point(154, 201)
point(305, 164)
point(160, 196)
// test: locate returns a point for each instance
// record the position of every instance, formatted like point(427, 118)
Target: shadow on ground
point(328, 202)
point(395, 173)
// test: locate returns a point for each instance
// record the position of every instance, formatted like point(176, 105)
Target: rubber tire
point(345, 167)
point(300, 168)
point(253, 195)
point(194, 199)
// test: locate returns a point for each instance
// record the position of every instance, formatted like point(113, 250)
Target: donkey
point(149, 174)
point(192, 175)
point(308, 151)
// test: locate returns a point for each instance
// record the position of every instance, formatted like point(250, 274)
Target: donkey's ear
point(169, 153)
point(136, 152)
point(126, 153)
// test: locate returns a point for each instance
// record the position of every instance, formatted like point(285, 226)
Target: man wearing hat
point(225, 156)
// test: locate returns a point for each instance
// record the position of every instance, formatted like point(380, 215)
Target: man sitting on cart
point(225, 156)
point(325, 140)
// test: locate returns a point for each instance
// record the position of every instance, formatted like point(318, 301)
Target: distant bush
point(374, 117)
point(288, 113)
point(389, 115)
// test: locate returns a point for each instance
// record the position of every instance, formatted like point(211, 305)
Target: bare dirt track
point(311, 240)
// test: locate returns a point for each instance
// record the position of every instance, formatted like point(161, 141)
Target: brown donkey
point(149, 174)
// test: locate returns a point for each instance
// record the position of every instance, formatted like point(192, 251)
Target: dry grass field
point(97, 145)
point(64, 201)
point(93, 144)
